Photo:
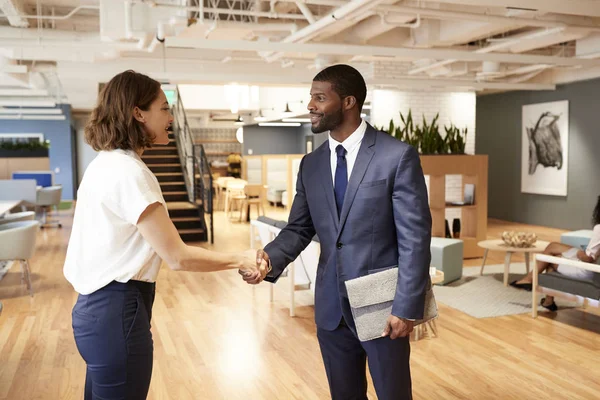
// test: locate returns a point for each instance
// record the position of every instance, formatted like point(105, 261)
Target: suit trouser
point(112, 333)
point(345, 359)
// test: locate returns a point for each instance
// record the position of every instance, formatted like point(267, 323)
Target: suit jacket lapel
point(324, 171)
point(363, 159)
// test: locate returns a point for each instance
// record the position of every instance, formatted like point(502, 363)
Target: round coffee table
point(498, 245)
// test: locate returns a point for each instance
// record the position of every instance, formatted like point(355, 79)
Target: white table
point(498, 245)
point(7, 205)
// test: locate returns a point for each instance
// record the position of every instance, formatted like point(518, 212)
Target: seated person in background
point(235, 165)
point(590, 255)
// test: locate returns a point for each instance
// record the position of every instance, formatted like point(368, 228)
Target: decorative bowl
point(519, 239)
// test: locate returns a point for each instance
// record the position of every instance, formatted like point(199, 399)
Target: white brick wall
point(453, 107)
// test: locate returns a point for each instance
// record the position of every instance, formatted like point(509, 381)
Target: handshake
point(254, 266)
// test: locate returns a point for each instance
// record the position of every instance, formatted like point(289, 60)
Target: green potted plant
point(10, 149)
point(426, 137)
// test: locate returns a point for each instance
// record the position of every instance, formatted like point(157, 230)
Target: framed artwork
point(545, 148)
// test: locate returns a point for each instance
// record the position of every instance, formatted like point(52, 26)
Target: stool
point(576, 238)
point(447, 256)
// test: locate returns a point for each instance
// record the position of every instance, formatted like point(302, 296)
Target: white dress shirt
point(351, 144)
point(105, 243)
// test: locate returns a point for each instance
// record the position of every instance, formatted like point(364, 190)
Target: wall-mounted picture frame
point(545, 148)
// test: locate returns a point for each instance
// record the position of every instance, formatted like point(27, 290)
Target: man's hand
point(262, 265)
point(398, 327)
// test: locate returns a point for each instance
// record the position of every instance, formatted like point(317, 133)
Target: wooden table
point(7, 205)
point(498, 245)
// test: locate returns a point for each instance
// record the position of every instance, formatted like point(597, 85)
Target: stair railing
point(194, 163)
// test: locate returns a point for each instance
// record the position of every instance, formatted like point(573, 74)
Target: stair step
point(185, 219)
point(157, 151)
point(180, 205)
point(160, 159)
point(167, 165)
point(158, 170)
point(170, 187)
point(187, 231)
point(194, 237)
point(187, 222)
point(169, 176)
point(175, 196)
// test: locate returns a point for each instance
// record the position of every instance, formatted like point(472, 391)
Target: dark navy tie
point(341, 177)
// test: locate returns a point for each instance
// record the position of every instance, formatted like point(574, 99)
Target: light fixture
point(367, 107)
point(288, 124)
point(260, 117)
point(34, 117)
point(27, 102)
point(239, 134)
point(30, 111)
point(363, 115)
point(239, 120)
point(296, 120)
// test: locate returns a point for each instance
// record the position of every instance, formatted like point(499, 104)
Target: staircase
point(187, 216)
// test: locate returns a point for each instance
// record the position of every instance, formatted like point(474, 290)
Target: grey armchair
point(46, 198)
point(588, 289)
point(17, 242)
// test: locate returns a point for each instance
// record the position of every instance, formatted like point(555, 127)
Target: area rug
point(486, 296)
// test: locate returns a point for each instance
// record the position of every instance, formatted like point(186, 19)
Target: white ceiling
point(482, 45)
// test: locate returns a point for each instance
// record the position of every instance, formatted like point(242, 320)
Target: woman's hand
point(261, 268)
point(247, 262)
point(582, 256)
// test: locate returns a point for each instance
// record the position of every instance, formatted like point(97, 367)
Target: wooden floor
point(217, 338)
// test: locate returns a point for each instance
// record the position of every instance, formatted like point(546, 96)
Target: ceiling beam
point(14, 13)
point(354, 50)
point(456, 84)
point(589, 8)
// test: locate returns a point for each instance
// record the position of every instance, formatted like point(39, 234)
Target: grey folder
point(371, 298)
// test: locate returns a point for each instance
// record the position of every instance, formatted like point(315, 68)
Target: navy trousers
point(112, 333)
point(345, 358)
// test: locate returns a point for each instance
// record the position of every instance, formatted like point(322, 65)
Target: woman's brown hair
point(112, 125)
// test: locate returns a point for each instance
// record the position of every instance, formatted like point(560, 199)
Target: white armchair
point(18, 216)
point(17, 242)
point(555, 281)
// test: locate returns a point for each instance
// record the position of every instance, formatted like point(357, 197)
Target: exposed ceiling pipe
point(517, 71)
point(212, 10)
point(306, 12)
point(54, 17)
point(465, 16)
point(527, 77)
point(488, 49)
point(412, 25)
point(461, 15)
point(161, 32)
point(309, 32)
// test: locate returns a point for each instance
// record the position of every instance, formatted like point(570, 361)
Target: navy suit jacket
point(385, 222)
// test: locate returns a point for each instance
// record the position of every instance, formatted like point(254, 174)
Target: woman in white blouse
point(121, 234)
point(590, 255)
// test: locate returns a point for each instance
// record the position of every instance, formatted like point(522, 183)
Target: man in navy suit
point(363, 193)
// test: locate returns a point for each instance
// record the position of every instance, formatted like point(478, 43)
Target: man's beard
point(328, 122)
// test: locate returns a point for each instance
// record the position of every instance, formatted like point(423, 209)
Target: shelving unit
point(474, 169)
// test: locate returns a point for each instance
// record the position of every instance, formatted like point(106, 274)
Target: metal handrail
point(196, 168)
